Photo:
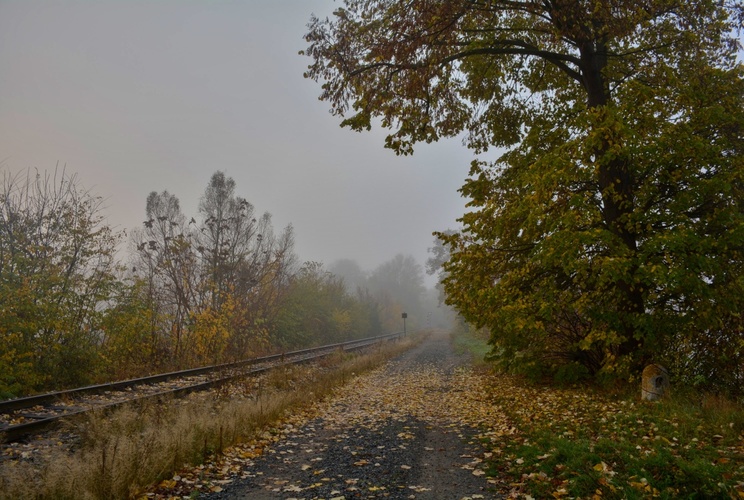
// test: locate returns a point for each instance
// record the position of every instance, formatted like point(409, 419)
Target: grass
point(576, 443)
point(473, 343)
point(121, 454)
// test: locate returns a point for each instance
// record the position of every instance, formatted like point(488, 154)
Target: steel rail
point(16, 432)
point(49, 397)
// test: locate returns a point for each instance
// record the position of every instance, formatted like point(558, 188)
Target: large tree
point(227, 233)
point(611, 224)
point(355, 279)
point(243, 259)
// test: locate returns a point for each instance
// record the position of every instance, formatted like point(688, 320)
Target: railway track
point(22, 417)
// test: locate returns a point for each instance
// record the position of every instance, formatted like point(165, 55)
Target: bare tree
point(224, 271)
point(228, 232)
point(165, 257)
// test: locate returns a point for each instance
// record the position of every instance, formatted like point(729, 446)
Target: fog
point(140, 96)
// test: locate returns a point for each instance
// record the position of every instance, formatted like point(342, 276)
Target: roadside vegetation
point(77, 308)
point(121, 454)
point(584, 441)
point(579, 443)
point(472, 342)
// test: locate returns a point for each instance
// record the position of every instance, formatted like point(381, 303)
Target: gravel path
point(410, 429)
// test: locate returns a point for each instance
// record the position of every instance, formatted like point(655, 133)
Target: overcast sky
point(141, 96)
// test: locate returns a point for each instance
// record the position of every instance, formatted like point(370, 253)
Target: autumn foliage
point(218, 286)
point(608, 232)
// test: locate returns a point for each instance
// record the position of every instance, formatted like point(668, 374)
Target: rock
point(654, 383)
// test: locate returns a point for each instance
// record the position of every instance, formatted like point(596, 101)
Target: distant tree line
point(192, 290)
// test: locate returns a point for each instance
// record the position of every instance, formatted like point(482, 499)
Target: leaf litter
point(375, 424)
point(501, 417)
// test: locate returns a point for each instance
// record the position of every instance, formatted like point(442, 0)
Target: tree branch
point(520, 48)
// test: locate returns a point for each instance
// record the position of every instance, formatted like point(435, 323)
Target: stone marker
point(655, 382)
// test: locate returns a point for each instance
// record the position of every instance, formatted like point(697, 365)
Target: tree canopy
point(609, 232)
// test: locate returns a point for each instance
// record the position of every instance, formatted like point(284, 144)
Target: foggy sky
point(137, 96)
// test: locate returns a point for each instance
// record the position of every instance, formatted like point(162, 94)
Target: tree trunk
point(617, 190)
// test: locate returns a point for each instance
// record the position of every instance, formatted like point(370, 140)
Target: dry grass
point(121, 454)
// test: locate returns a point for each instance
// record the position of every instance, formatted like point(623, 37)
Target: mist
point(137, 97)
